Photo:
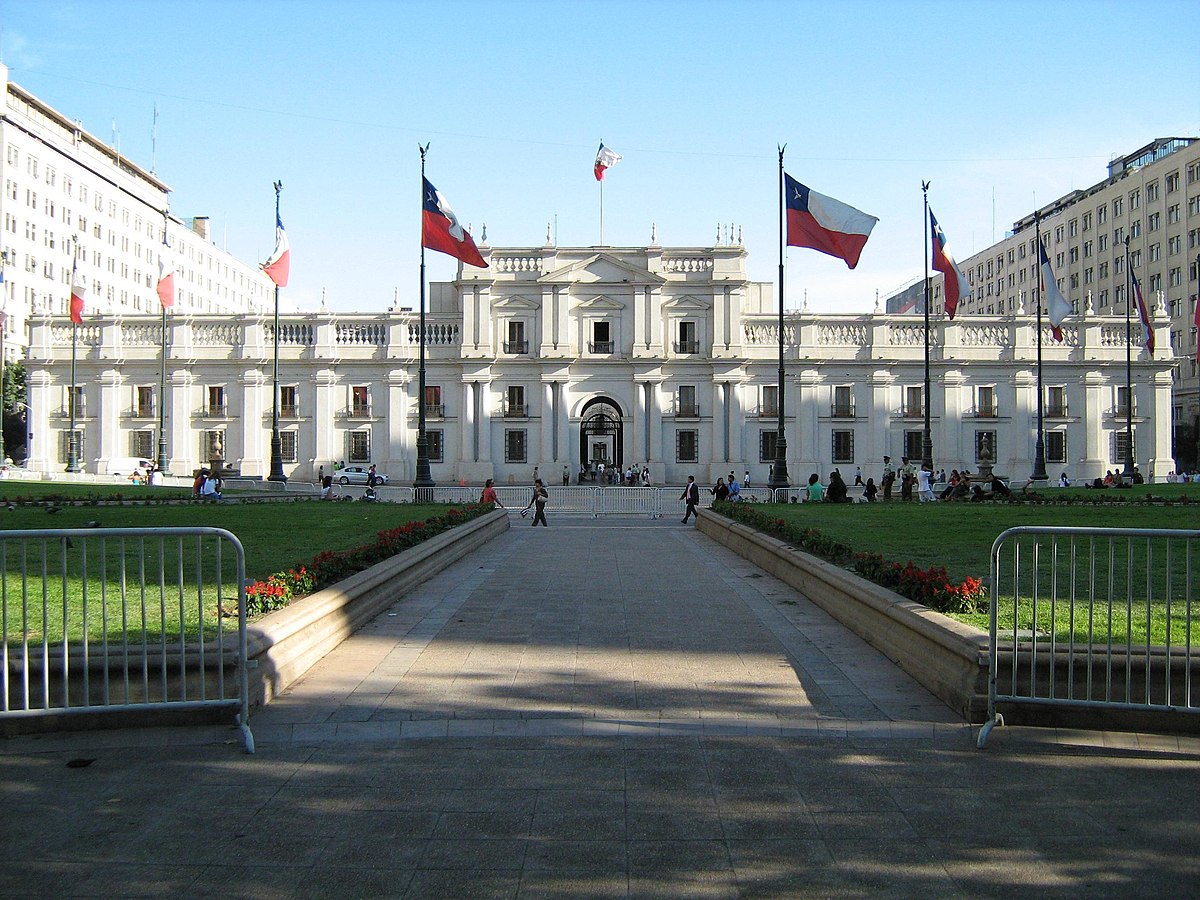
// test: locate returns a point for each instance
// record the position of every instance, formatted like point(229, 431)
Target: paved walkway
point(601, 709)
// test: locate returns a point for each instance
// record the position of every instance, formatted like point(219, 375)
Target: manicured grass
point(276, 536)
point(959, 537)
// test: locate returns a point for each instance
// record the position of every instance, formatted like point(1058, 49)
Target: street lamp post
point(1039, 446)
point(276, 442)
point(779, 473)
point(927, 436)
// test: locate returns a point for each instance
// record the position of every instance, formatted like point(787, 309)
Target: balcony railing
point(516, 347)
point(600, 346)
point(687, 346)
point(140, 412)
point(514, 410)
point(985, 411)
point(687, 411)
point(1057, 411)
point(214, 411)
point(842, 411)
point(435, 410)
point(912, 412)
point(767, 412)
point(289, 411)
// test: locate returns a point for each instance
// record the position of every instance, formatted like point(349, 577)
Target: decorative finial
point(1088, 309)
point(804, 308)
point(740, 244)
point(653, 234)
point(549, 239)
point(483, 234)
point(717, 240)
point(876, 301)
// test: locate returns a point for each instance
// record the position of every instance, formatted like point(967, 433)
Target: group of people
point(207, 486)
point(537, 500)
point(607, 473)
point(149, 475)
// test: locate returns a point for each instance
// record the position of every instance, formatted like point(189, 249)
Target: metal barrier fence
point(115, 620)
point(1094, 618)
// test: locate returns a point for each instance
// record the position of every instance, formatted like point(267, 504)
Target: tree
point(14, 410)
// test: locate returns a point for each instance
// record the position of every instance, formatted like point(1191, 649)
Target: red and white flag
point(281, 260)
point(605, 159)
point(78, 290)
point(166, 284)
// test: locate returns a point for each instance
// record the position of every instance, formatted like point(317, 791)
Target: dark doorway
point(601, 433)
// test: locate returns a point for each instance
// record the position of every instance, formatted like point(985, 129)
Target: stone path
point(614, 708)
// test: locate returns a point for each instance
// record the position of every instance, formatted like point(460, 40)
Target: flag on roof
point(954, 282)
point(822, 223)
point(78, 290)
point(1142, 311)
point(1057, 306)
point(166, 284)
point(441, 230)
point(605, 159)
point(281, 260)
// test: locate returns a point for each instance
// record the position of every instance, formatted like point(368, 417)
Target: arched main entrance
point(600, 433)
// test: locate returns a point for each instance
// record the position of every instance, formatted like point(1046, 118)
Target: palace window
point(64, 446)
point(287, 446)
point(216, 400)
point(141, 444)
point(688, 343)
point(288, 407)
point(768, 441)
point(687, 407)
point(359, 446)
point(843, 447)
point(144, 402)
point(514, 402)
point(687, 446)
point(433, 444)
point(602, 341)
point(516, 343)
point(1056, 447)
point(360, 400)
point(514, 445)
point(433, 401)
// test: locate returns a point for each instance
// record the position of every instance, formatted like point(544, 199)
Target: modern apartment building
point(70, 200)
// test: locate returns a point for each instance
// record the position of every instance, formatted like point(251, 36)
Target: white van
point(125, 465)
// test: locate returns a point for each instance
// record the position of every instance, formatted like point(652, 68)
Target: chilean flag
point(822, 223)
point(1143, 313)
point(1196, 320)
point(166, 284)
point(281, 260)
point(954, 282)
point(441, 230)
point(1057, 306)
point(78, 290)
point(605, 159)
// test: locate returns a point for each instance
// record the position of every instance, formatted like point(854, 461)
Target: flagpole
point(1195, 318)
point(779, 472)
point(1128, 470)
point(163, 465)
point(927, 438)
point(72, 441)
point(276, 441)
point(424, 477)
point(602, 207)
point(1039, 445)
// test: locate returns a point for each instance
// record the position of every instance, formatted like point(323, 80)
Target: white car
point(358, 475)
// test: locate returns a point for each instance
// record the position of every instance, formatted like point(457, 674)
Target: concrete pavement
point(602, 708)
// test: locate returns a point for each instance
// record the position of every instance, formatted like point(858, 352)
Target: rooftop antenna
point(154, 139)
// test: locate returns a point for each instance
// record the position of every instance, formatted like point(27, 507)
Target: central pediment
point(522, 304)
point(601, 268)
point(598, 304)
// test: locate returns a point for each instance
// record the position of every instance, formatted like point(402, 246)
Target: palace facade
point(555, 356)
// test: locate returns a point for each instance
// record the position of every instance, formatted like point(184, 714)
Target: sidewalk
point(601, 708)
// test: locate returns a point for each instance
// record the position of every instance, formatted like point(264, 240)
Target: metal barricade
point(1094, 618)
point(117, 620)
point(641, 501)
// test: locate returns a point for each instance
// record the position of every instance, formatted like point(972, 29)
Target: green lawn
point(276, 536)
point(959, 536)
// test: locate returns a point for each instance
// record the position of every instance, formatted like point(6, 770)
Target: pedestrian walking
point(538, 502)
point(489, 494)
point(691, 496)
point(858, 482)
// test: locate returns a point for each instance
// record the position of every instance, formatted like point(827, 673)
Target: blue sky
point(997, 104)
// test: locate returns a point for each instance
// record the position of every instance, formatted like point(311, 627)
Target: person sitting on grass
point(211, 489)
point(327, 489)
point(836, 492)
point(816, 490)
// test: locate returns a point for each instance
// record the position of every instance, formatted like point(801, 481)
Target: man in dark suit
point(691, 496)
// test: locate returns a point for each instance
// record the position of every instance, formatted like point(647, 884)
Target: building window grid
point(687, 446)
point(843, 447)
point(515, 445)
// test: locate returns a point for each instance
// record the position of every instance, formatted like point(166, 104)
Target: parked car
point(358, 475)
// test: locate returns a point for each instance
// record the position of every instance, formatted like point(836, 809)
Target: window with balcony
point(360, 401)
point(288, 405)
point(843, 447)
point(216, 401)
point(514, 446)
point(514, 402)
point(144, 402)
point(688, 342)
point(769, 405)
point(434, 408)
point(358, 446)
point(843, 402)
point(515, 342)
point(1122, 402)
point(1056, 402)
point(985, 402)
point(687, 446)
point(913, 407)
point(686, 406)
point(601, 341)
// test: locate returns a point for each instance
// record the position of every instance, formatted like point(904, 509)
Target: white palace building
point(554, 356)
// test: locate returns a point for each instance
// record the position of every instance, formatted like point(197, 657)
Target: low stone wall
point(949, 658)
point(284, 644)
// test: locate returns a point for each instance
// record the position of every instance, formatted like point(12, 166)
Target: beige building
point(69, 199)
point(1151, 196)
point(565, 356)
